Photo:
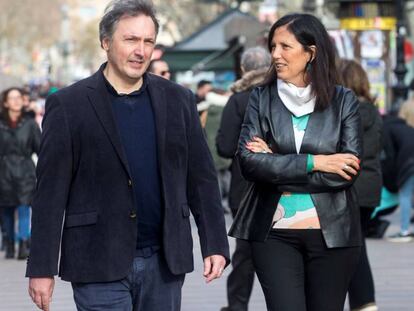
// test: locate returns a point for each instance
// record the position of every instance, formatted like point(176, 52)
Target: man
point(203, 87)
point(255, 63)
point(160, 68)
point(123, 161)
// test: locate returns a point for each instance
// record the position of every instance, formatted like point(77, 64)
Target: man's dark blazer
point(84, 184)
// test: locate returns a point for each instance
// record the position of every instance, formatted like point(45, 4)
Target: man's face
point(202, 91)
point(130, 49)
point(161, 69)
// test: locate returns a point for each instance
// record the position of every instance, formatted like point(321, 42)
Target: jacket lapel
point(313, 132)
point(281, 124)
point(98, 97)
point(159, 105)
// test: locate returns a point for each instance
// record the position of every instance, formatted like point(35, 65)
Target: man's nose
point(139, 49)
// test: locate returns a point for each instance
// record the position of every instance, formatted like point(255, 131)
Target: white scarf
point(298, 100)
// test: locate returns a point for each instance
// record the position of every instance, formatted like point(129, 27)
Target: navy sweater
point(135, 119)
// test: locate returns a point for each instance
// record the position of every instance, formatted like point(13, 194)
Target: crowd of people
point(21, 113)
point(296, 151)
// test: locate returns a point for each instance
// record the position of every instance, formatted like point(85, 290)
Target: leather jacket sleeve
point(351, 142)
point(267, 167)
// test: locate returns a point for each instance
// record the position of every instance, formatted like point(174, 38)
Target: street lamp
point(400, 90)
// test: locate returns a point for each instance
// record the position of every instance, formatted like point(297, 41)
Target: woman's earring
point(308, 66)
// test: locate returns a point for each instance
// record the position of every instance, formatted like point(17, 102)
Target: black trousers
point(361, 289)
point(298, 272)
point(241, 278)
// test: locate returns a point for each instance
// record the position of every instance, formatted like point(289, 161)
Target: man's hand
point(41, 290)
point(213, 267)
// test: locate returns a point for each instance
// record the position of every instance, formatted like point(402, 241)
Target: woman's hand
point(258, 145)
point(343, 164)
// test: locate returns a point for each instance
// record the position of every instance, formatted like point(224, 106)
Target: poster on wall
point(379, 91)
point(372, 43)
point(343, 43)
point(376, 69)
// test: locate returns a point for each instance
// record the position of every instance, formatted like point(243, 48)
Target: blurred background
point(48, 44)
point(55, 42)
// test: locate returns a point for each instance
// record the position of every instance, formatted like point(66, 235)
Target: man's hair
point(201, 83)
point(255, 58)
point(117, 9)
point(152, 64)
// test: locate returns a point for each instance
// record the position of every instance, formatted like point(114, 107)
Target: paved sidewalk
point(392, 263)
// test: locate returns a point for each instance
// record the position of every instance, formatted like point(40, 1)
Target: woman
point(19, 139)
point(368, 185)
point(300, 146)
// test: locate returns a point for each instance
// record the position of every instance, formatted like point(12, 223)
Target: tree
point(187, 16)
point(26, 24)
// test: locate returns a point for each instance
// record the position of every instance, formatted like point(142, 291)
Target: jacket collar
point(249, 80)
point(159, 105)
point(98, 97)
point(281, 128)
point(280, 123)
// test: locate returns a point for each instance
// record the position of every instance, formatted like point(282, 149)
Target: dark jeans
point(150, 286)
point(361, 289)
point(298, 272)
point(9, 219)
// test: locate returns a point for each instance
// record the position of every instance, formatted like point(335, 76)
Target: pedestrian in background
point(160, 68)
point(203, 88)
point(255, 63)
point(406, 110)
point(300, 146)
point(19, 140)
point(216, 100)
point(368, 185)
point(123, 162)
point(401, 139)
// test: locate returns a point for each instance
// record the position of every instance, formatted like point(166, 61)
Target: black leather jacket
point(337, 129)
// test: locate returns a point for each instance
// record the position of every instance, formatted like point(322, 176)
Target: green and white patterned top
point(297, 210)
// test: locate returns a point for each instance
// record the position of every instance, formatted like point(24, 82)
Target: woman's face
point(14, 101)
point(289, 57)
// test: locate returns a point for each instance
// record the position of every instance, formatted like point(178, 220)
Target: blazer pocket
point(186, 210)
point(83, 219)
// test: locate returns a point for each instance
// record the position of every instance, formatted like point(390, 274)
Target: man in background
point(255, 63)
point(160, 68)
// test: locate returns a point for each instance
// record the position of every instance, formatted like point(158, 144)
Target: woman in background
point(368, 185)
point(19, 139)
